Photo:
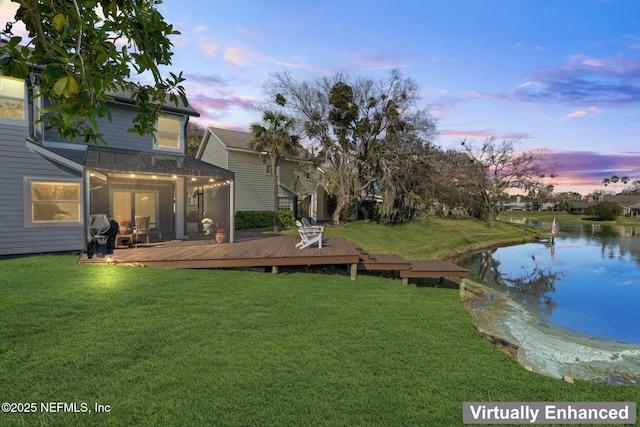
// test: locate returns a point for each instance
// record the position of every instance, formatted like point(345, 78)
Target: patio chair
point(309, 236)
point(142, 227)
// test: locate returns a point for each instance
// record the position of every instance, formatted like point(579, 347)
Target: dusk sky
point(562, 75)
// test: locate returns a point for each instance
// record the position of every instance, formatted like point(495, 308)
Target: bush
point(286, 218)
point(605, 211)
point(253, 219)
point(261, 219)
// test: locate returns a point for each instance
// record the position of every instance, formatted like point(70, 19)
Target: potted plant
point(207, 223)
point(221, 232)
point(125, 226)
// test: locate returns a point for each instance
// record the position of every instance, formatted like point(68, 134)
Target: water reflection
point(588, 281)
point(532, 286)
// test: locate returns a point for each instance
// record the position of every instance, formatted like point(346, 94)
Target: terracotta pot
point(221, 237)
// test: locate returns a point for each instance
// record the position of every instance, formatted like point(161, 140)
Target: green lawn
point(435, 238)
point(196, 347)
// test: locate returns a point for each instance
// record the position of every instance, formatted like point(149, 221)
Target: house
point(630, 203)
point(297, 176)
point(50, 187)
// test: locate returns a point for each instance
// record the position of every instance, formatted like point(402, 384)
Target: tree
point(356, 123)
point(625, 181)
point(495, 167)
point(406, 175)
point(615, 179)
point(195, 133)
point(85, 50)
point(276, 139)
point(605, 211)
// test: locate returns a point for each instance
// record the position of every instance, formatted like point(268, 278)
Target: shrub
point(253, 219)
point(261, 219)
point(286, 218)
point(605, 211)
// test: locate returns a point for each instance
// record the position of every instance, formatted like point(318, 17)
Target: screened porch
point(172, 193)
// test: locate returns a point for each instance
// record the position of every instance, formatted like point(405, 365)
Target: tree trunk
point(335, 217)
point(274, 173)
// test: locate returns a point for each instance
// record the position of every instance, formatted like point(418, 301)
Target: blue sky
point(559, 75)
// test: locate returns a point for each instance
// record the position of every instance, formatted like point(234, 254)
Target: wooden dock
point(274, 252)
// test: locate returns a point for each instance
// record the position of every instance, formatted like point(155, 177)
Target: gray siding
point(214, 152)
point(254, 188)
point(16, 163)
point(115, 132)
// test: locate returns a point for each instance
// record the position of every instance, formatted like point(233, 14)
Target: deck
point(274, 252)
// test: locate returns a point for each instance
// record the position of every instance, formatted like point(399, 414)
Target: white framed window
point(169, 133)
point(285, 203)
point(13, 93)
point(267, 170)
point(52, 202)
point(36, 107)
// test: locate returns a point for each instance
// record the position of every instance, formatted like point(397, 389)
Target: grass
point(436, 238)
point(236, 348)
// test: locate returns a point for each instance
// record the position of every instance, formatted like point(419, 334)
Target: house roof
point(626, 200)
point(236, 140)
point(130, 161)
point(124, 97)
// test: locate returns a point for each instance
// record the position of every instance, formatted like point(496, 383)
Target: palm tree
point(614, 180)
point(624, 180)
point(274, 137)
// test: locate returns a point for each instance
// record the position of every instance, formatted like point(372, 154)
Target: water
point(572, 307)
point(587, 281)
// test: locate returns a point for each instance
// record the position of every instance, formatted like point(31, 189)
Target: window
point(169, 133)
point(12, 99)
point(36, 106)
point(267, 170)
point(51, 202)
point(285, 203)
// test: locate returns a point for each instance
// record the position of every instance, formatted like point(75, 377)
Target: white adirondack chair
point(309, 235)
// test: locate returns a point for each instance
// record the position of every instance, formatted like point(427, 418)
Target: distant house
point(50, 187)
point(629, 202)
point(298, 177)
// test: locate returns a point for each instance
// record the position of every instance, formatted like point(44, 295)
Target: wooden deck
point(274, 252)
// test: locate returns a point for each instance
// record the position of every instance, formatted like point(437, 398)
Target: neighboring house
point(629, 202)
point(297, 176)
point(49, 187)
point(515, 203)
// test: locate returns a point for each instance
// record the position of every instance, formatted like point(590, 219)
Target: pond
point(582, 289)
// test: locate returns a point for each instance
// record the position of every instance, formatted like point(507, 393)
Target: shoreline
point(549, 349)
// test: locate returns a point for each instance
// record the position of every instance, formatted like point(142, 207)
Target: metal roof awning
point(130, 161)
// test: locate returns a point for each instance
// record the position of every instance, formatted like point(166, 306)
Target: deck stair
point(384, 262)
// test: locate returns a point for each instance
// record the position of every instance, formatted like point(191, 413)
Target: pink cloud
point(586, 169)
point(238, 56)
point(591, 111)
point(209, 50)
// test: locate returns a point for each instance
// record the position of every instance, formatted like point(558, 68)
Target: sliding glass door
point(129, 204)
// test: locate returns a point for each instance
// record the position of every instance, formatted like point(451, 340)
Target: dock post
point(463, 287)
point(354, 271)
